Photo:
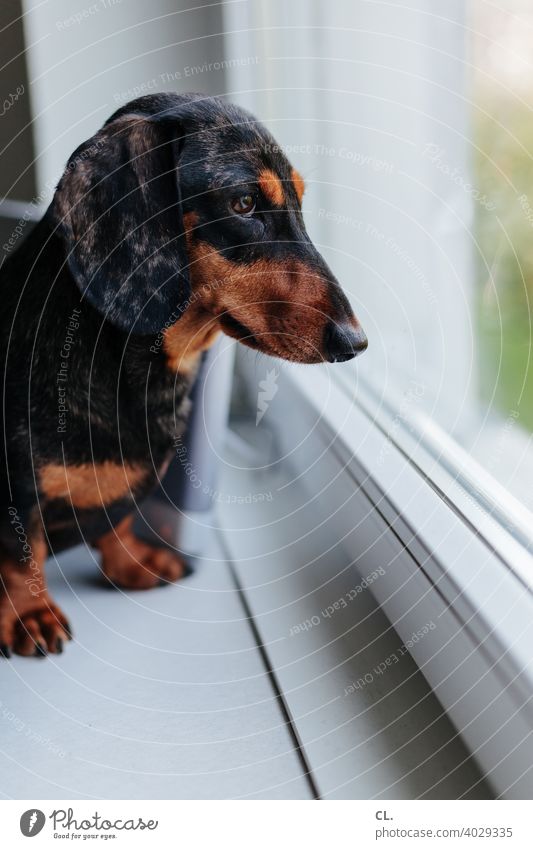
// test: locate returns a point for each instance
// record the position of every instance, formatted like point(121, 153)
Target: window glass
point(502, 135)
point(411, 125)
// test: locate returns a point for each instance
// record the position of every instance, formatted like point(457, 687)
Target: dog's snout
point(344, 342)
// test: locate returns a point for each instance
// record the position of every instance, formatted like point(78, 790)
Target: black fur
point(107, 270)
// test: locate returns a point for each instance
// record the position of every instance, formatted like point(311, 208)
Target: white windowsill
point(467, 573)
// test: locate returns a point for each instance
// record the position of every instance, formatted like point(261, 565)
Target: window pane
point(502, 127)
point(411, 126)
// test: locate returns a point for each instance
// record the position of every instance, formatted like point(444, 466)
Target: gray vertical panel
point(204, 434)
point(179, 511)
point(17, 174)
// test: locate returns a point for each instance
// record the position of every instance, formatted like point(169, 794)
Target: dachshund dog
point(179, 219)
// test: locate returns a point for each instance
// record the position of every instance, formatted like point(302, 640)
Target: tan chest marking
point(197, 329)
point(90, 485)
point(185, 340)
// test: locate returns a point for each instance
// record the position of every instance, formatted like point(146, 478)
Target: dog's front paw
point(141, 566)
point(39, 631)
point(132, 564)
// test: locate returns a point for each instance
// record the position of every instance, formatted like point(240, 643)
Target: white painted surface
point(388, 738)
point(162, 695)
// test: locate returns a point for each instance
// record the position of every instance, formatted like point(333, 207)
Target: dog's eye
point(243, 205)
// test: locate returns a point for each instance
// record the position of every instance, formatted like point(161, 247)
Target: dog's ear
point(118, 207)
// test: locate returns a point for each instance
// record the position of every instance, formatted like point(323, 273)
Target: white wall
point(86, 57)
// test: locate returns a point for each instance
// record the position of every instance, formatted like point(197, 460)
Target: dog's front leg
point(132, 564)
point(30, 622)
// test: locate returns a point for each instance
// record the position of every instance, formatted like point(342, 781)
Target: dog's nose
point(343, 342)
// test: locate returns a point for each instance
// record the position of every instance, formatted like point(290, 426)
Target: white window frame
point(462, 549)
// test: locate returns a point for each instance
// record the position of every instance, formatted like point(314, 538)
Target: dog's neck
point(185, 340)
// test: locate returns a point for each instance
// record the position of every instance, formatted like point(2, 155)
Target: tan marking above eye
point(298, 183)
point(271, 186)
point(89, 485)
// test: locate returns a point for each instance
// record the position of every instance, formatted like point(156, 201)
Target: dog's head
point(183, 202)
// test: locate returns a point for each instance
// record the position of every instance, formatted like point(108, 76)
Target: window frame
point(462, 541)
point(478, 661)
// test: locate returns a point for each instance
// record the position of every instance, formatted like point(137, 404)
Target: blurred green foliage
point(503, 168)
